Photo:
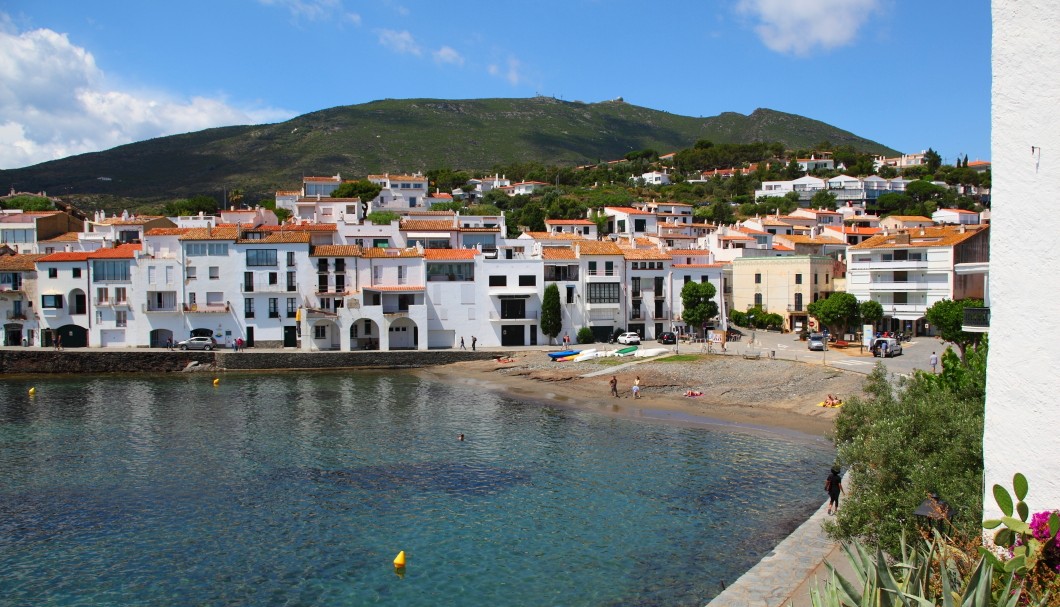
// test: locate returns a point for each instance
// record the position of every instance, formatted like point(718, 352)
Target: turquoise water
point(301, 489)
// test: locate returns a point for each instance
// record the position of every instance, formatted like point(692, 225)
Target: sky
point(79, 76)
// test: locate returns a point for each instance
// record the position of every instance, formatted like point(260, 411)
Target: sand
point(760, 395)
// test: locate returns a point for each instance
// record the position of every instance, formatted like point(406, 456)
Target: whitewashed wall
point(1023, 377)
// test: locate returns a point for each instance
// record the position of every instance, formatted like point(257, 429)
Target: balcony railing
point(497, 316)
point(162, 309)
point(976, 320)
point(15, 315)
point(205, 308)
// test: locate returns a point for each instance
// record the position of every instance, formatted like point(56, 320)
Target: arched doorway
point(160, 338)
point(202, 332)
point(72, 336)
point(404, 334)
point(78, 305)
point(364, 334)
point(12, 334)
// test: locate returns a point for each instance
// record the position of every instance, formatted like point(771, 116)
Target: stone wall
point(137, 361)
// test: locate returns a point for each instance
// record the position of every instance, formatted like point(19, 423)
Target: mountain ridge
point(406, 135)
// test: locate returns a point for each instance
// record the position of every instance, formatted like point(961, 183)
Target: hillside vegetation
point(404, 135)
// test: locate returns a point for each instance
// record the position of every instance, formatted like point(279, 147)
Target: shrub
point(585, 336)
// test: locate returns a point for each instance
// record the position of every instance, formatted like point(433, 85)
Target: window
point(604, 292)
point(248, 307)
point(570, 294)
point(758, 278)
point(498, 281)
point(609, 268)
point(290, 259)
point(215, 273)
point(900, 298)
point(592, 268)
point(248, 281)
point(798, 302)
point(77, 272)
point(119, 295)
point(367, 327)
point(798, 279)
point(117, 269)
point(527, 281)
point(121, 318)
point(320, 332)
point(377, 273)
point(102, 295)
point(261, 257)
point(191, 299)
point(274, 307)
point(758, 300)
point(51, 301)
point(53, 272)
point(292, 307)
point(635, 286)
point(816, 278)
point(658, 286)
point(322, 265)
point(401, 275)
point(291, 284)
point(217, 248)
point(274, 278)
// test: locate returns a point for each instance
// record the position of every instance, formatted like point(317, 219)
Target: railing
point(976, 320)
point(8, 287)
point(151, 308)
point(450, 277)
point(206, 308)
point(602, 272)
point(102, 302)
point(15, 315)
point(495, 316)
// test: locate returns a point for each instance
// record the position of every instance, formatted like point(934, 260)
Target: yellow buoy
point(32, 391)
point(399, 560)
point(216, 381)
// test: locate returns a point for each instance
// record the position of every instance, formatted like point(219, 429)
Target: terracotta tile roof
point(557, 253)
point(428, 225)
point(483, 230)
point(775, 222)
point(643, 254)
point(802, 239)
point(934, 236)
point(979, 163)
point(569, 222)
point(288, 192)
point(688, 252)
point(67, 237)
point(125, 251)
point(675, 236)
point(336, 250)
point(448, 254)
point(909, 217)
point(167, 231)
point(550, 236)
point(597, 247)
point(862, 231)
point(735, 236)
point(629, 210)
point(698, 265)
point(290, 237)
point(24, 263)
point(314, 200)
point(331, 179)
point(960, 211)
point(747, 230)
point(429, 213)
point(296, 227)
point(65, 256)
point(210, 234)
point(779, 247)
point(441, 195)
point(376, 252)
point(398, 177)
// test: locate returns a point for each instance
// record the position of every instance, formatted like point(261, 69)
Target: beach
point(777, 395)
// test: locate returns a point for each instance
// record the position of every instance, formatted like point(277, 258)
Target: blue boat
point(563, 354)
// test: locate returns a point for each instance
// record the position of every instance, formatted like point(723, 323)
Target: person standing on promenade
point(934, 361)
point(614, 386)
point(834, 486)
point(474, 340)
point(462, 343)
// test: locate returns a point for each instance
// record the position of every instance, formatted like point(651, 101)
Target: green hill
point(404, 135)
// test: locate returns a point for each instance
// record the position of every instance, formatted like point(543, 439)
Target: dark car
point(667, 338)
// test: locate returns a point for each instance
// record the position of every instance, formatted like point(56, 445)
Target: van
point(894, 348)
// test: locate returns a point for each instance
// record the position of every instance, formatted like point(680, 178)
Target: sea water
point(301, 488)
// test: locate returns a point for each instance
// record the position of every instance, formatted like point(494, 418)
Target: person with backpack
point(833, 486)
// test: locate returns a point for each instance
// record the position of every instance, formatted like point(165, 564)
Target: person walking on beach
point(614, 386)
point(474, 340)
point(934, 361)
point(834, 486)
point(462, 343)
point(636, 387)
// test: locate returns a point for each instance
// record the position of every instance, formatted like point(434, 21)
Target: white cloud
point(55, 102)
point(447, 54)
point(399, 42)
point(316, 10)
point(513, 74)
point(799, 26)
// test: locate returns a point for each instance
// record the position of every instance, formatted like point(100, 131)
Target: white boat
point(651, 352)
point(586, 355)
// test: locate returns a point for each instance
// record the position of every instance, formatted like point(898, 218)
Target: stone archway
point(364, 334)
point(160, 338)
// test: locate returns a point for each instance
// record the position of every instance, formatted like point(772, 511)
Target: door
point(290, 337)
point(512, 335)
point(250, 337)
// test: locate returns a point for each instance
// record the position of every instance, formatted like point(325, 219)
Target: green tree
point(382, 217)
point(696, 305)
point(190, 206)
point(363, 189)
point(235, 198)
point(837, 312)
point(551, 312)
point(933, 160)
point(902, 442)
point(871, 312)
point(947, 317)
point(823, 199)
point(793, 170)
point(28, 203)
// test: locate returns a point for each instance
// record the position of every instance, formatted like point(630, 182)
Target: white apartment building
point(908, 271)
point(18, 292)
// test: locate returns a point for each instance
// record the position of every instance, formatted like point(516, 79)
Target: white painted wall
point(1022, 377)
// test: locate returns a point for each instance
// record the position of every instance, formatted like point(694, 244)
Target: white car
point(629, 338)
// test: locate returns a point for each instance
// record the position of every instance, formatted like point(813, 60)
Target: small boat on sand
point(625, 351)
point(563, 354)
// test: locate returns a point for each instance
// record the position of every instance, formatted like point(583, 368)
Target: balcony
point(265, 288)
point(102, 303)
point(976, 320)
point(151, 309)
point(498, 317)
point(206, 308)
point(10, 288)
point(15, 315)
point(906, 285)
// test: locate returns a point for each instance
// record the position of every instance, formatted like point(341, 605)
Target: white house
point(655, 178)
point(955, 216)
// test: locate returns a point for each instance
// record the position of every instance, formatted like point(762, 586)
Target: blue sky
point(79, 76)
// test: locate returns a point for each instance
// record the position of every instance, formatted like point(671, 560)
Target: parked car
point(197, 343)
point(667, 338)
point(629, 338)
point(815, 341)
point(894, 347)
